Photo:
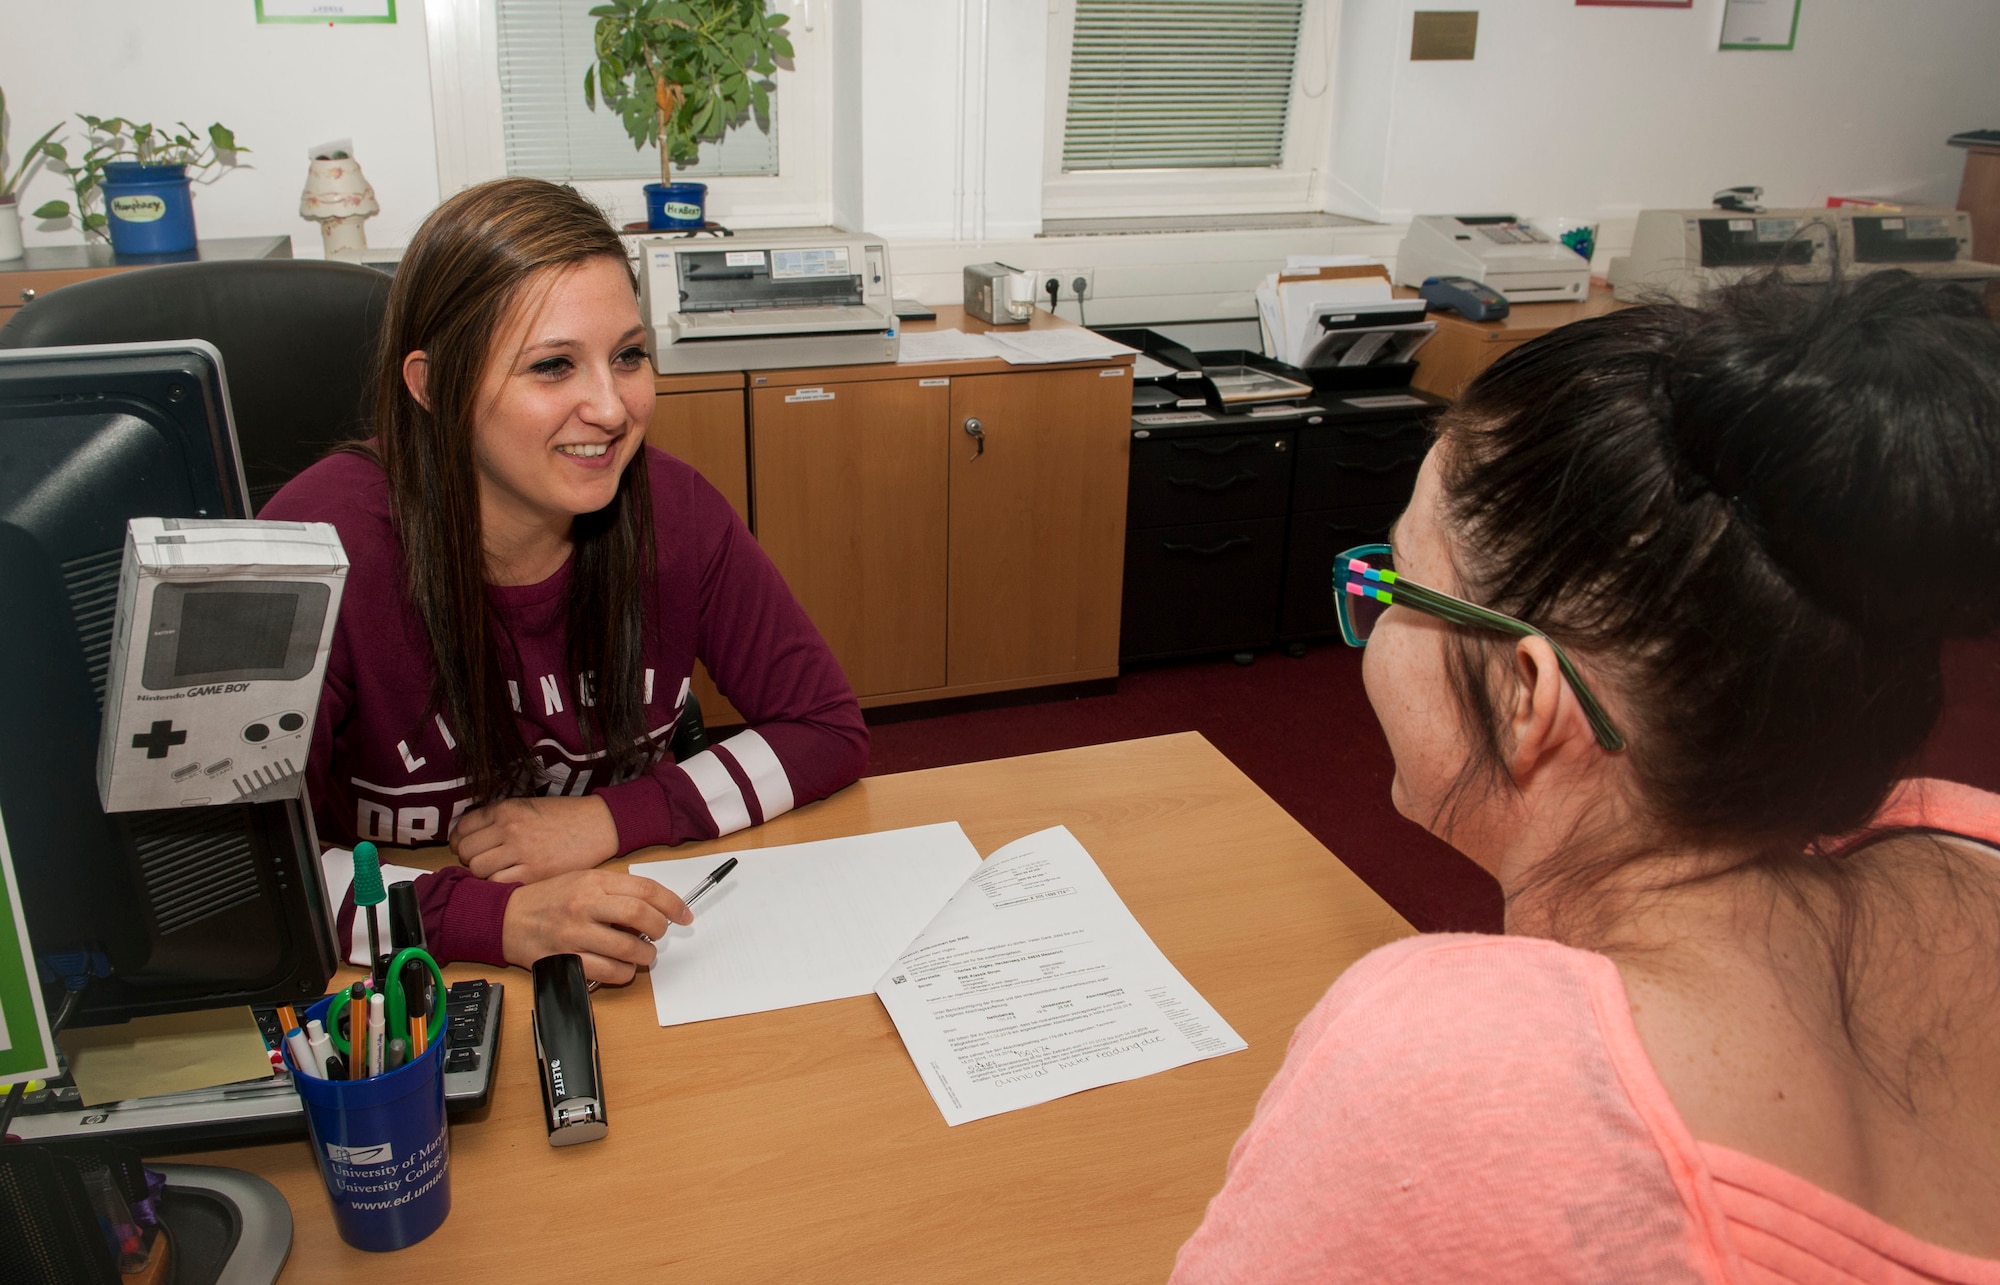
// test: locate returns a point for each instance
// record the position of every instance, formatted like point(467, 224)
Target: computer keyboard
point(259, 1110)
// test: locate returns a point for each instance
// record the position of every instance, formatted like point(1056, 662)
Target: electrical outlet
point(1065, 279)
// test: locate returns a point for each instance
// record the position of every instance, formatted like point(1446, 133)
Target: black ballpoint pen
point(715, 877)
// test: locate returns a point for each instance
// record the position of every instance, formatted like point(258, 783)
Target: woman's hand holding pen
point(523, 840)
point(607, 916)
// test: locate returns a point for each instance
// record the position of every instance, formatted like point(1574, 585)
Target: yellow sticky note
point(169, 1054)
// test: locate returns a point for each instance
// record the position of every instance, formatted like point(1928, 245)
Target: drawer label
point(1114, 372)
point(1383, 402)
point(1173, 417)
point(934, 383)
point(809, 395)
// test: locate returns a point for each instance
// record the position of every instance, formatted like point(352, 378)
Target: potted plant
point(148, 206)
point(678, 72)
point(10, 183)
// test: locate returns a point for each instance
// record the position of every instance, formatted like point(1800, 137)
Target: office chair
point(297, 339)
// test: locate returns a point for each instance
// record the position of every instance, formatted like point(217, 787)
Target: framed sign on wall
point(328, 11)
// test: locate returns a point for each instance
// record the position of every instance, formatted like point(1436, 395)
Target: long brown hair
point(471, 262)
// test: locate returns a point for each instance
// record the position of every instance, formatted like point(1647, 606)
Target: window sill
point(1196, 223)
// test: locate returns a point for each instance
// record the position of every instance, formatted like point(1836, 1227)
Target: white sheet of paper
point(801, 923)
point(1035, 982)
point(944, 345)
point(1033, 347)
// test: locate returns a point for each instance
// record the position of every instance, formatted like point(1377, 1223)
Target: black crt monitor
point(199, 907)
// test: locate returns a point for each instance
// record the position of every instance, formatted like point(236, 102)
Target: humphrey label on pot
point(138, 209)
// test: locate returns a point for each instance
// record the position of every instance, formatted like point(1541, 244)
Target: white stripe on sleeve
point(767, 775)
point(718, 791)
point(336, 867)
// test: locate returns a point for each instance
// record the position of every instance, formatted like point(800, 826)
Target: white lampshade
point(337, 189)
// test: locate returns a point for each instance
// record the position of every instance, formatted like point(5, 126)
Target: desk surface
point(801, 1144)
point(98, 254)
point(1526, 320)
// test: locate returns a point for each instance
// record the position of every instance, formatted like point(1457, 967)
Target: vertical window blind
point(545, 47)
point(1180, 84)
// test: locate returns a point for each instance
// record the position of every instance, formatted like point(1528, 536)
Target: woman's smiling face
point(563, 406)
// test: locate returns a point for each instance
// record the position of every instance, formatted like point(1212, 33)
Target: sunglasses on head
point(1365, 585)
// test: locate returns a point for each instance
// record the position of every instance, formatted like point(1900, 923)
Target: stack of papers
point(1018, 347)
point(1012, 981)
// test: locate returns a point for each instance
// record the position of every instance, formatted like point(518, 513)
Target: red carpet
point(1302, 730)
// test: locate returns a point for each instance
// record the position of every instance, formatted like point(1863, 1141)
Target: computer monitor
point(199, 907)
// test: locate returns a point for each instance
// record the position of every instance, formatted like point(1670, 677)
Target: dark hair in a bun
point(1764, 514)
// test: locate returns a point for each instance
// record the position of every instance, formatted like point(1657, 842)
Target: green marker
point(368, 894)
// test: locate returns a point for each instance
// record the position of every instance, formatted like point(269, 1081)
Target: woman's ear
point(417, 377)
point(1541, 722)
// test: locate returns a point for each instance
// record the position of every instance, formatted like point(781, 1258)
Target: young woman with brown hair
point(1653, 644)
point(529, 590)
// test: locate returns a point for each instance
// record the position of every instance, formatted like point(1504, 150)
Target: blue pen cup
point(382, 1147)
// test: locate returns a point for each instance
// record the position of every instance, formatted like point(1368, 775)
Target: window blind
point(1180, 84)
point(549, 132)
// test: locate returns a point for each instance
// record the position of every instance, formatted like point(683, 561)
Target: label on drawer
point(1384, 402)
point(809, 395)
point(934, 383)
point(1173, 417)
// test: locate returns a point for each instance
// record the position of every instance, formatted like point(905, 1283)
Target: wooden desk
point(1461, 349)
point(800, 1145)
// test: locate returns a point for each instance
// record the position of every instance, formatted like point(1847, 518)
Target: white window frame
point(471, 148)
point(1297, 185)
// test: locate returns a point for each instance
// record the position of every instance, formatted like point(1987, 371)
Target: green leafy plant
point(680, 71)
point(10, 184)
point(113, 138)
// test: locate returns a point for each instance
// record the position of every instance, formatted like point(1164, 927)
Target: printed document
point(1035, 982)
point(801, 923)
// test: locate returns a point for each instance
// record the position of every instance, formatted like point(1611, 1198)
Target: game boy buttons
point(286, 724)
point(256, 732)
point(291, 722)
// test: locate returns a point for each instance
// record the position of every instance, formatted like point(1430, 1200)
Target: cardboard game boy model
point(217, 655)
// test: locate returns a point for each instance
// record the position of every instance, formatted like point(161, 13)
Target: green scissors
point(395, 1002)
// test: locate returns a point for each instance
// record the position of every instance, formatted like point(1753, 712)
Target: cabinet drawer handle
point(977, 431)
point(1228, 448)
point(1172, 546)
point(1247, 475)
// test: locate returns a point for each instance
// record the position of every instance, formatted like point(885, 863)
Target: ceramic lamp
point(339, 198)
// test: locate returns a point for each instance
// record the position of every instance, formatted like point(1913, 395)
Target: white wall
point(282, 88)
point(1567, 109)
point(1600, 110)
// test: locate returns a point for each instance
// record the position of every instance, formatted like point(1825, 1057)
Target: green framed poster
point(27, 1048)
point(1760, 24)
point(327, 11)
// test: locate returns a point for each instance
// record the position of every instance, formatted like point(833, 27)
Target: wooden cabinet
point(1037, 524)
point(933, 567)
point(699, 419)
point(851, 505)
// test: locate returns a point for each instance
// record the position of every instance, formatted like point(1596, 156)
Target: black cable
point(1054, 287)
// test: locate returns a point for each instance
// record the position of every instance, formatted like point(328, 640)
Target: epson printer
point(755, 303)
point(1515, 258)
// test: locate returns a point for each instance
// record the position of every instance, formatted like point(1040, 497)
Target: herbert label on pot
point(138, 209)
point(681, 210)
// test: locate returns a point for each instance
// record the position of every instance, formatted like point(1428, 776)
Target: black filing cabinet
point(1233, 520)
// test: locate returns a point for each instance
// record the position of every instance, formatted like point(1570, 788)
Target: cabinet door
point(851, 487)
point(1038, 523)
point(706, 430)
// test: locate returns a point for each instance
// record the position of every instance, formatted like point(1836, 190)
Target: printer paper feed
point(1035, 982)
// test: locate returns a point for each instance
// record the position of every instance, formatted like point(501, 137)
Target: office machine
point(1681, 253)
point(1928, 242)
point(760, 303)
point(1473, 300)
point(566, 1053)
point(1517, 259)
point(162, 911)
point(999, 294)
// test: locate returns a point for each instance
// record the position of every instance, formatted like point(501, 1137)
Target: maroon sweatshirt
point(383, 764)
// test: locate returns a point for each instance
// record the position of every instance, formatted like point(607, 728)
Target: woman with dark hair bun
point(530, 586)
point(1656, 643)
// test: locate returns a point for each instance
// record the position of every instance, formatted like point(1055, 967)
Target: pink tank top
point(1463, 1107)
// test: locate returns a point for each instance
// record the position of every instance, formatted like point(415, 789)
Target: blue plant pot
point(149, 208)
point(676, 205)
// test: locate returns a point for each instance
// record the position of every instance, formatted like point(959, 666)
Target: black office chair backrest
point(297, 339)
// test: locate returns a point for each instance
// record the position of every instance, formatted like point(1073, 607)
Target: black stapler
point(566, 1049)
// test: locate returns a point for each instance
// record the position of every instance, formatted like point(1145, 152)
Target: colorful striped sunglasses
point(1365, 585)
